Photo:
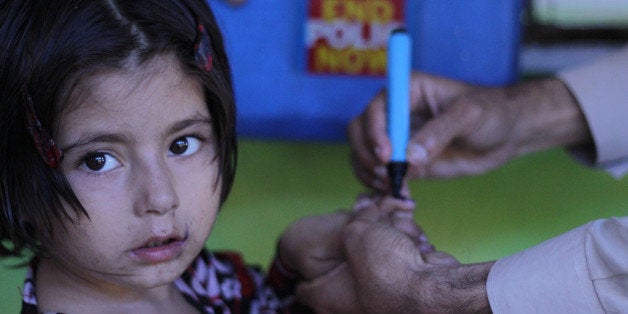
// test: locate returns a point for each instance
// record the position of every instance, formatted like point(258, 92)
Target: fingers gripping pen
point(398, 106)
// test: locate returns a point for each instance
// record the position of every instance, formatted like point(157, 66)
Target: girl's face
point(139, 152)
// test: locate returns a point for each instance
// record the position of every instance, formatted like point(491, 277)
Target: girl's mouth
point(159, 243)
point(160, 249)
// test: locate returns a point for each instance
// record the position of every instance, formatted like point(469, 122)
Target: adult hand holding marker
point(398, 106)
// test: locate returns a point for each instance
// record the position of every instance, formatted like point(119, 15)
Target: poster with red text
point(349, 37)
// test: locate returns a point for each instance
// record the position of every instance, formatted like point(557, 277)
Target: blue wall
point(476, 41)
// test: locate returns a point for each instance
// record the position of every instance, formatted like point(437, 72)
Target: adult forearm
point(549, 116)
point(457, 289)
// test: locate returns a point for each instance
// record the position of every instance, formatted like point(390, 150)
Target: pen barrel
point(398, 93)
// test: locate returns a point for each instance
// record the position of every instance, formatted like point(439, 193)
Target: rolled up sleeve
point(601, 88)
point(582, 271)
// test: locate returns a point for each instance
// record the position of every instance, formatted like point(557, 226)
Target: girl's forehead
point(110, 85)
point(158, 92)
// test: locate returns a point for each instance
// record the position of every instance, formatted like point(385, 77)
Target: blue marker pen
point(398, 106)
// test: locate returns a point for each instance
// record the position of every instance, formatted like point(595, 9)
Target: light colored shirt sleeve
point(582, 271)
point(601, 88)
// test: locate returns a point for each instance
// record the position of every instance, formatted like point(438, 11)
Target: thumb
point(434, 137)
point(440, 258)
point(383, 262)
point(377, 251)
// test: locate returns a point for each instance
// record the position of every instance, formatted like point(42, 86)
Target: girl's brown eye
point(184, 146)
point(179, 146)
point(100, 162)
point(95, 161)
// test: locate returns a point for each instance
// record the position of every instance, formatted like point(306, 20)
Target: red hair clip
point(46, 147)
point(202, 49)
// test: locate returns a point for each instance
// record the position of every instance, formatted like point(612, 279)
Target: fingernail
point(381, 171)
point(409, 201)
point(362, 203)
point(423, 237)
point(379, 152)
point(403, 214)
point(417, 154)
point(426, 248)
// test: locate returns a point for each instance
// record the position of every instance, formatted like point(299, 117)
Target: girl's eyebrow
point(102, 137)
point(90, 138)
point(183, 124)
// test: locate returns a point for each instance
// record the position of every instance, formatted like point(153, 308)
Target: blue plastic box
point(471, 40)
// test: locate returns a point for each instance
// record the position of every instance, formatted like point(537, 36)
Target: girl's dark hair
point(45, 49)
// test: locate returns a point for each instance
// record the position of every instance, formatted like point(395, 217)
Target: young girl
point(117, 150)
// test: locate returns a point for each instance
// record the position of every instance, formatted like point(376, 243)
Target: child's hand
point(312, 245)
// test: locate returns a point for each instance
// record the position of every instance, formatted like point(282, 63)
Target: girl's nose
point(156, 190)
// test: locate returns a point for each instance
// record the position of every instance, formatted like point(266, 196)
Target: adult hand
point(461, 129)
point(386, 273)
point(313, 245)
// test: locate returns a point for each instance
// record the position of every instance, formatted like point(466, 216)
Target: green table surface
point(476, 219)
